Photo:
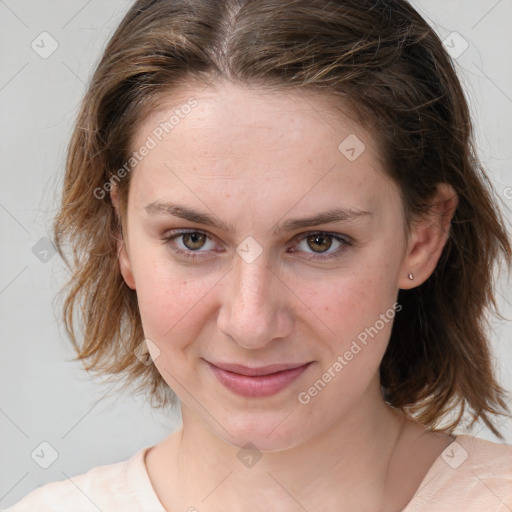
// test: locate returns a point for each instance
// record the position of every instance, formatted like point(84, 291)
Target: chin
point(266, 432)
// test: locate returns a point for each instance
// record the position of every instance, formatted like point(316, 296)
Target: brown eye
point(193, 241)
point(319, 243)
point(191, 244)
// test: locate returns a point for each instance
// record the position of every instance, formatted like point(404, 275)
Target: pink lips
point(257, 382)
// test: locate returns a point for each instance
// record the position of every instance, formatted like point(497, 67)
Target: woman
point(277, 216)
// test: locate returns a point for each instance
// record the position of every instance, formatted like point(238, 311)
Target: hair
point(383, 61)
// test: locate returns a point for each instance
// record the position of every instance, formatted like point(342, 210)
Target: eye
point(193, 241)
point(189, 243)
point(322, 245)
point(319, 243)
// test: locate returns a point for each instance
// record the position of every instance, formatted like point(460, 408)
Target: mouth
point(257, 382)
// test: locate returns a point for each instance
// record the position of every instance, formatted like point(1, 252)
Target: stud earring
point(411, 276)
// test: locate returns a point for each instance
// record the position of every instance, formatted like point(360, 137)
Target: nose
point(256, 305)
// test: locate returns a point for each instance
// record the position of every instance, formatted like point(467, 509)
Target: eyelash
point(337, 253)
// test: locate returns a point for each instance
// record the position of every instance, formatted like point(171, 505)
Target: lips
point(257, 371)
point(257, 382)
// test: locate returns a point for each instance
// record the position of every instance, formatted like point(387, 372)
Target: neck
point(349, 464)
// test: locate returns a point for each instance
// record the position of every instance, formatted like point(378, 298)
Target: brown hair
point(383, 60)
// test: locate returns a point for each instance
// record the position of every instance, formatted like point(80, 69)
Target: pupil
point(193, 240)
point(320, 240)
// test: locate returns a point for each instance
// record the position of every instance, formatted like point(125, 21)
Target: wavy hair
point(377, 56)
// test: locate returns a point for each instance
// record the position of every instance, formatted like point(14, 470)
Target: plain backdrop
point(44, 397)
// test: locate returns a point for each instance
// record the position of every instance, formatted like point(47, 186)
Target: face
point(262, 231)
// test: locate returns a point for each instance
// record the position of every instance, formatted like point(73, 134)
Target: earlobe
point(428, 238)
point(123, 257)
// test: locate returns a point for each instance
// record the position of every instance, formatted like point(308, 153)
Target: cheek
point(350, 302)
point(172, 303)
point(174, 312)
point(360, 314)
point(354, 315)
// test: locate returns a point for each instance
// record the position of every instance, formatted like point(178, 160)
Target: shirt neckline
point(138, 479)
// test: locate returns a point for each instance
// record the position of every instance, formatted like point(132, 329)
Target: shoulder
point(481, 459)
point(484, 453)
point(103, 487)
point(471, 474)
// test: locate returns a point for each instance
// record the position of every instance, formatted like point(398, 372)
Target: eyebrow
point(186, 213)
point(330, 216)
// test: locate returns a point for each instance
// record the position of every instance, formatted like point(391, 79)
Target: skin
point(251, 158)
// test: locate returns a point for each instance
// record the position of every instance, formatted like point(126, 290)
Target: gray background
point(46, 398)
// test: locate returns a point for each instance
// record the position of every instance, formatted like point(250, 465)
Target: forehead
point(225, 109)
point(229, 135)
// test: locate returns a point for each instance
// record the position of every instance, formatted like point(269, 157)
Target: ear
point(123, 257)
point(428, 237)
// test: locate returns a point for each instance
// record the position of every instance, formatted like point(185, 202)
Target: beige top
point(471, 475)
